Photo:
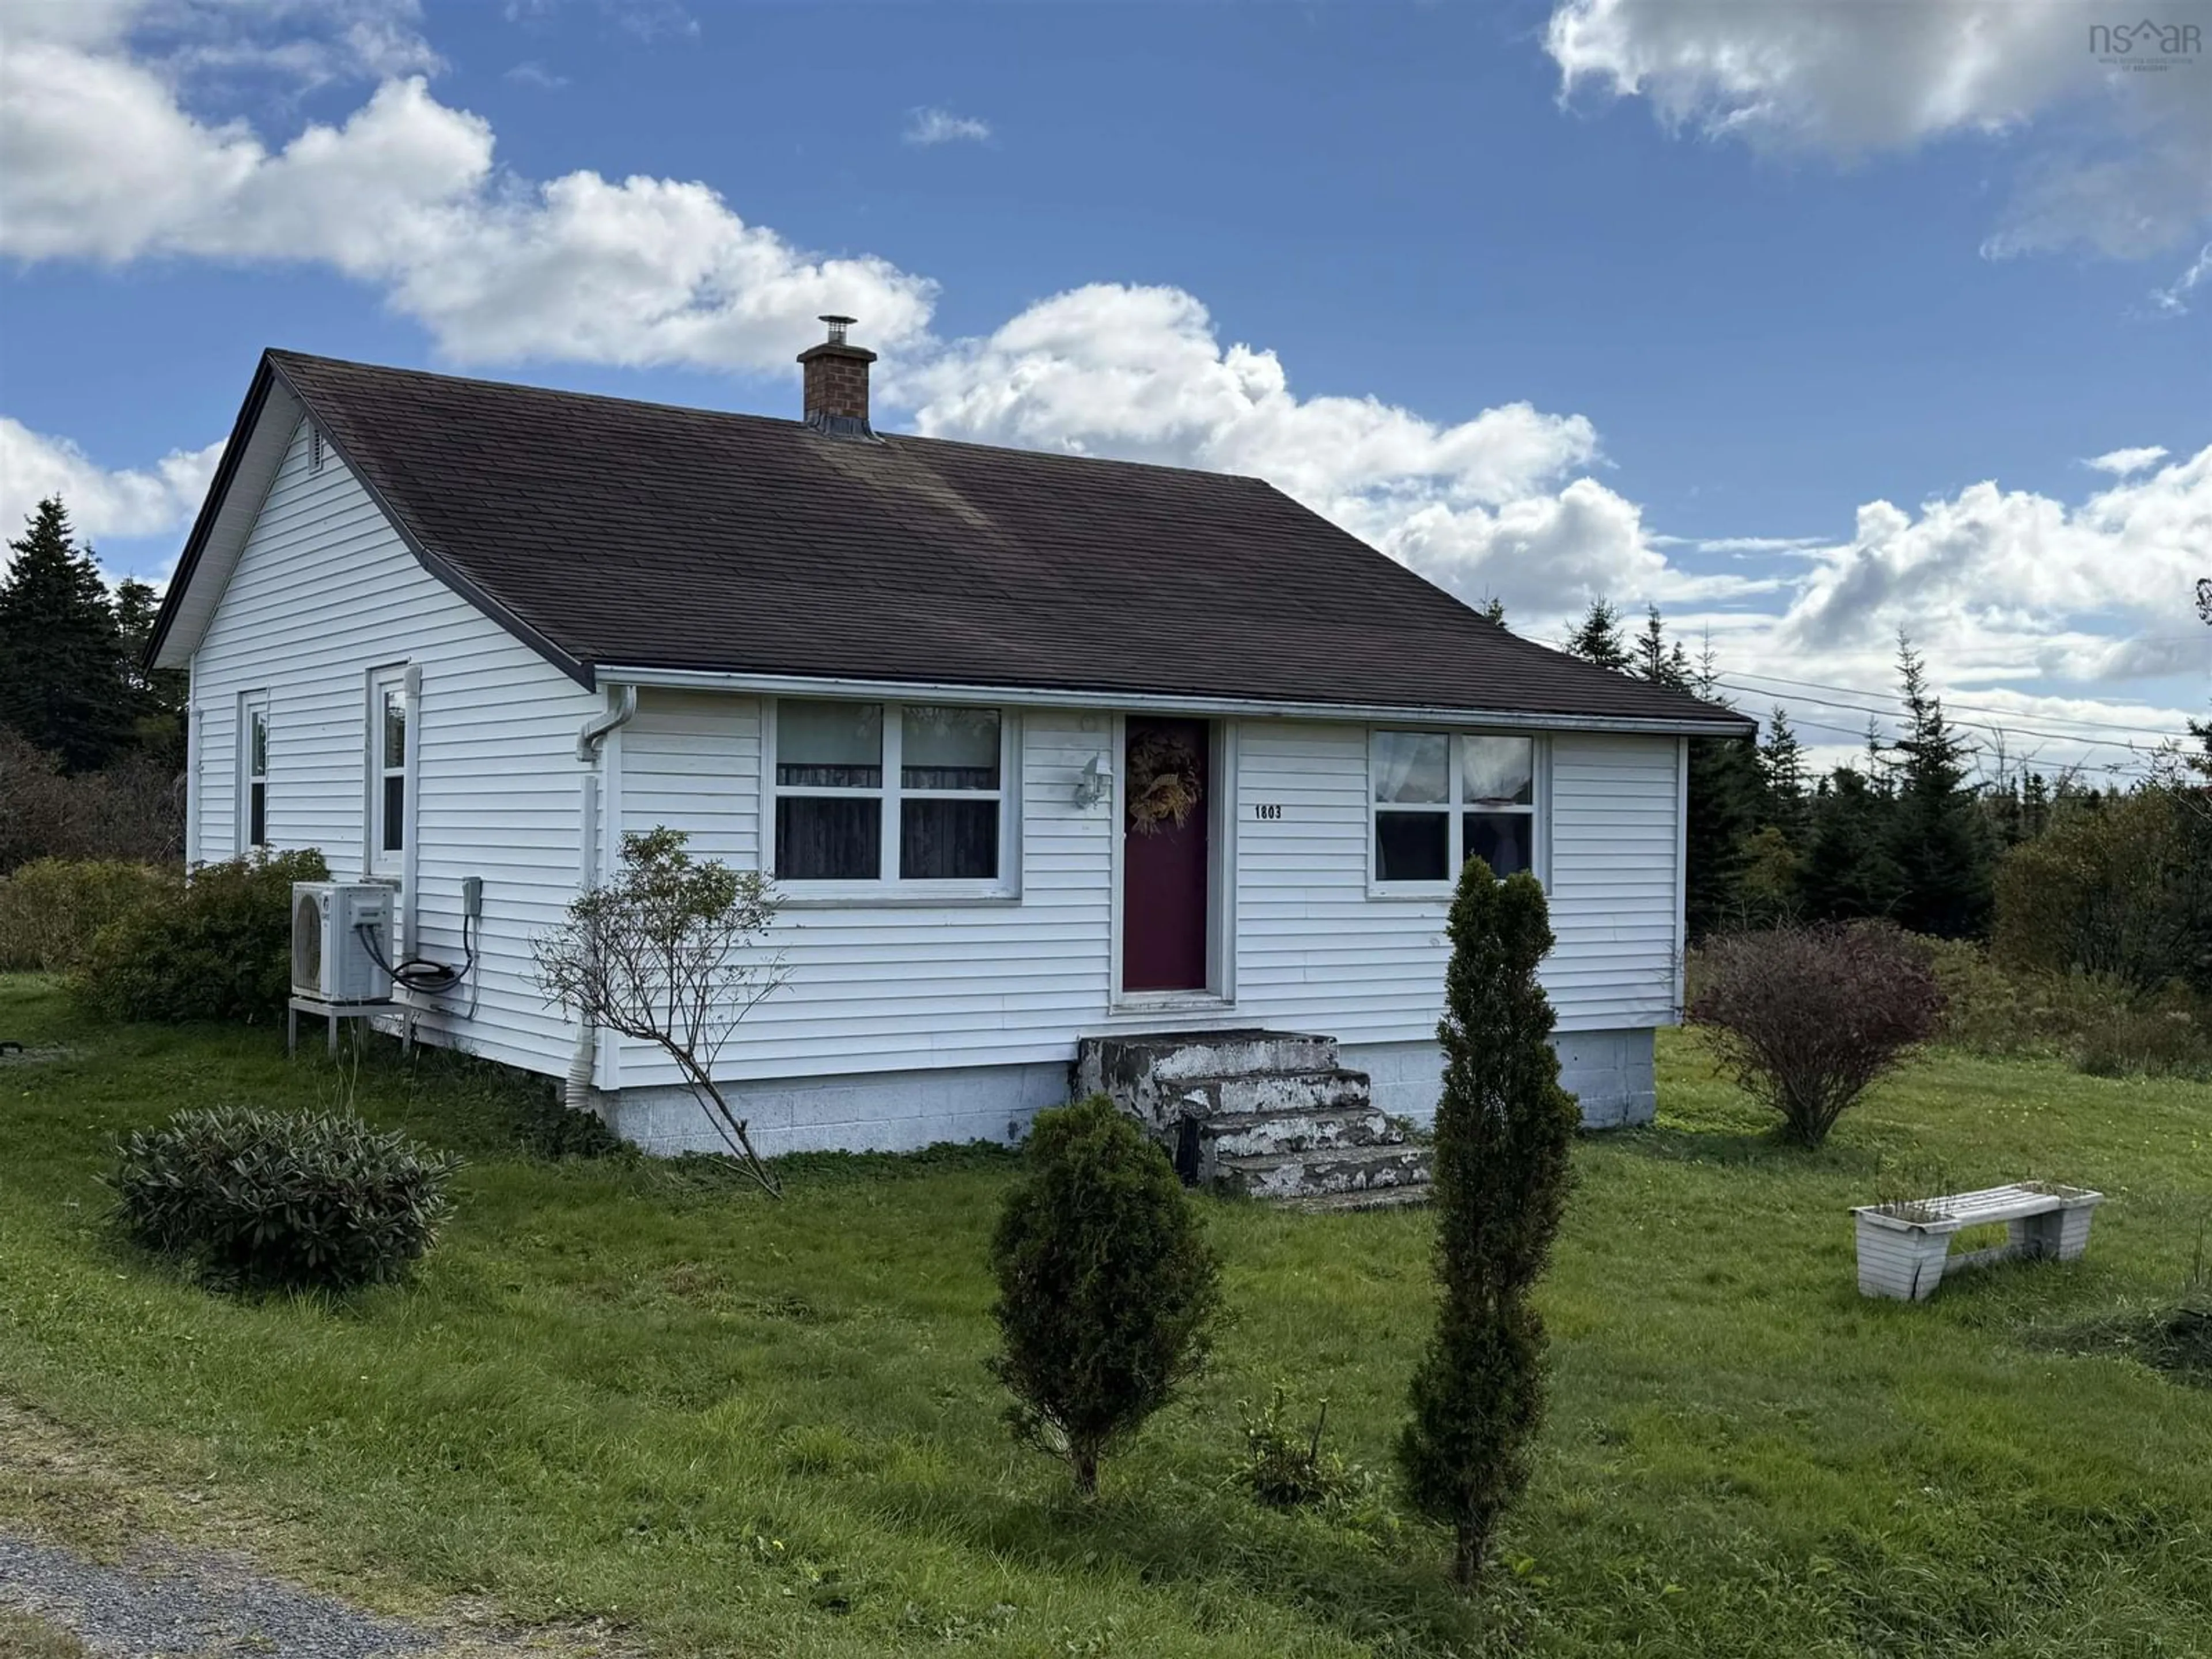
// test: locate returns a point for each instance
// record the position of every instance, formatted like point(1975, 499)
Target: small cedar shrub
point(218, 946)
point(1807, 1019)
point(51, 908)
point(1107, 1291)
point(274, 1200)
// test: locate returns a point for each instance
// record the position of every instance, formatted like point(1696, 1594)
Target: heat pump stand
point(335, 1011)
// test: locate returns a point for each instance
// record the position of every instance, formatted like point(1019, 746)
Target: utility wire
point(1975, 725)
point(1972, 708)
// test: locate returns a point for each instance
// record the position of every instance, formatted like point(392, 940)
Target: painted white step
point(1266, 1134)
point(1264, 1093)
point(1102, 1063)
point(1330, 1170)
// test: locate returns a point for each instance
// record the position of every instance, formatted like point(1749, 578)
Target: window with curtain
point(889, 792)
point(1441, 798)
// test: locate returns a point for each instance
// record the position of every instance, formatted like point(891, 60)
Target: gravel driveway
point(166, 1602)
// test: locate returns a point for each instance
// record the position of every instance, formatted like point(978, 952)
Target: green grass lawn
point(735, 1426)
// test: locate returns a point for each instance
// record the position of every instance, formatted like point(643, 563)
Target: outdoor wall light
point(1095, 783)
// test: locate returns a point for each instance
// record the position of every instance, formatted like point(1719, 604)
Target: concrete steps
point(1268, 1114)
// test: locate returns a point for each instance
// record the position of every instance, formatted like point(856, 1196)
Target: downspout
point(583, 1066)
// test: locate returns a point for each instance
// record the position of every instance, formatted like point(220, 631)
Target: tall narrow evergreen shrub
point(1505, 1128)
point(1107, 1287)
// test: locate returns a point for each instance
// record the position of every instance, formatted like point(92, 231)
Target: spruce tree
point(1503, 1131)
point(1723, 797)
point(1782, 778)
point(1848, 873)
point(61, 683)
point(1492, 610)
point(1656, 660)
point(1598, 638)
point(1938, 835)
point(157, 696)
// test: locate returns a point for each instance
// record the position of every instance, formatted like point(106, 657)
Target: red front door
point(1163, 864)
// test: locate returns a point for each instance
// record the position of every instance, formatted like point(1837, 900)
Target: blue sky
point(1545, 298)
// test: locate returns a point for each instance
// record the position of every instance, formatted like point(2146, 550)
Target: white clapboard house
point(949, 695)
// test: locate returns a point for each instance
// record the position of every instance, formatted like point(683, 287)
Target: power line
point(1973, 726)
point(2109, 768)
point(1972, 708)
point(1890, 712)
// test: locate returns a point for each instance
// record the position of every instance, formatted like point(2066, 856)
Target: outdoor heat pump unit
point(332, 960)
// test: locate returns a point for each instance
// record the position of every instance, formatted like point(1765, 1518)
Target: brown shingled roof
point(642, 535)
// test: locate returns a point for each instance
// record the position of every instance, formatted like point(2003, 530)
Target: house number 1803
point(1267, 809)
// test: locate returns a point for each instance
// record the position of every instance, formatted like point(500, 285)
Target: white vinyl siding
point(324, 592)
point(1316, 952)
point(923, 986)
point(909, 981)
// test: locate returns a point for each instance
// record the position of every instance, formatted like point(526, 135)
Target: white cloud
point(1849, 78)
point(1741, 543)
point(1139, 373)
point(2172, 300)
point(2121, 462)
point(534, 74)
point(942, 126)
point(106, 165)
point(155, 500)
point(2012, 581)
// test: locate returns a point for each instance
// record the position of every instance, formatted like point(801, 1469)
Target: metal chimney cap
point(837, 326)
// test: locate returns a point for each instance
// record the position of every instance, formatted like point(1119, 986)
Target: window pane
point(257, 830)
point(1499, 769)
point(830, 745)
point(395, 728)
point(828, 838)
point(948, 839)
point(1413, 766)
point(945, 748)
point(259, 764)
point(395, 813)
point(1502, 840)
point(1413, 846)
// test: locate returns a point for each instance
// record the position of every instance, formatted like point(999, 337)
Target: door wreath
point(1165, 781)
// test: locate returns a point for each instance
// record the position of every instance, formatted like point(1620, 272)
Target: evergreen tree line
point(91, 745)
point(1907, 833)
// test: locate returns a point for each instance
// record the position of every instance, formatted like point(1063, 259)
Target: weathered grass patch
point(732, 1425)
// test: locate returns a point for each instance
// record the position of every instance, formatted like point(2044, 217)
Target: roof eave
point(1177, 702)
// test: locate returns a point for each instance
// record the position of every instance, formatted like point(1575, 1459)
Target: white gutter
point(596, 729)
point(703, 679)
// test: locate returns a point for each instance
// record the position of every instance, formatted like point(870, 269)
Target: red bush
point(1807, 1017)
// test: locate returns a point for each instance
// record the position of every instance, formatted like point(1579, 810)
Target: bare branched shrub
point(663, 954)
point(1808, 1018)
point(133, 810)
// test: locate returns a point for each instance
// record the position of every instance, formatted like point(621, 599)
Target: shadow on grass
point(1374, 1579)
point(1676, 1143)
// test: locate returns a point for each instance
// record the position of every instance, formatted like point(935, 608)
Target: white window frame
point(1538, 809)
point(889, 887)
point(377, 859)
point(252, 706)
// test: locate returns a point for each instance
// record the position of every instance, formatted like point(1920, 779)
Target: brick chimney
point(836, 401)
